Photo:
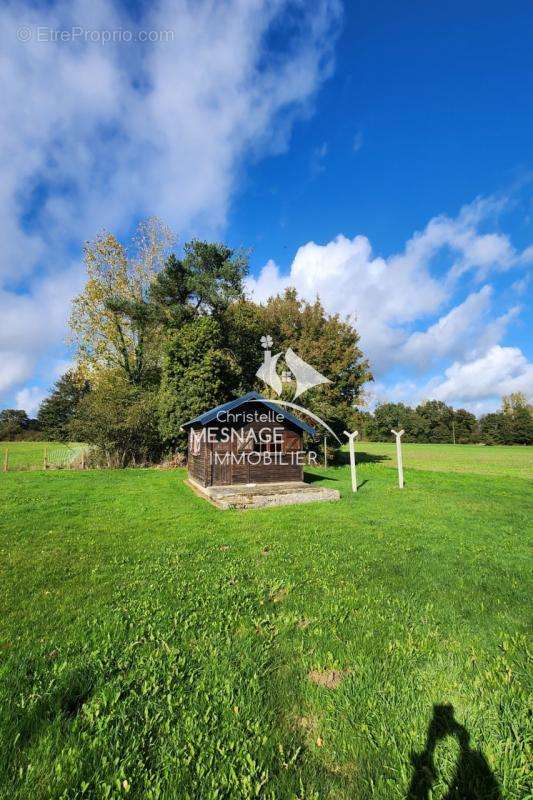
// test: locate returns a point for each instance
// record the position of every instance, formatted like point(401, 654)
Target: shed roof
point(209, 416)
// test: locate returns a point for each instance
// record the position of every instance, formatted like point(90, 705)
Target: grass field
point(510, 461)
point(30, 455)
point(152, 646)
point(477, 459)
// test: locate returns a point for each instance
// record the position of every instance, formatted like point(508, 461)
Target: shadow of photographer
point(472, 779)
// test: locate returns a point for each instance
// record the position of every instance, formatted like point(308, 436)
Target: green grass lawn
point(477, 459)
point(153, 646)
point(30, 455)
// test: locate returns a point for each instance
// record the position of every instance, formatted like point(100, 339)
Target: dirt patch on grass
point(307, 724)
point(308, 727)
point(278, 595)
point(328, 678)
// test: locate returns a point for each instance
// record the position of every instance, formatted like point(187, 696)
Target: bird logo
point(305, 376)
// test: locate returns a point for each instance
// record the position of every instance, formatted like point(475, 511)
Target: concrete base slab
point(261, 495)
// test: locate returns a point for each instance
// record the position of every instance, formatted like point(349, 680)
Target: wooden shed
point(250, 440)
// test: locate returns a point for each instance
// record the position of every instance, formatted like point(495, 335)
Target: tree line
point(430, 422)
point(435, 422)
point(161, 335)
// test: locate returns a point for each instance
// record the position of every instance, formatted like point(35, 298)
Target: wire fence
point(24, 456)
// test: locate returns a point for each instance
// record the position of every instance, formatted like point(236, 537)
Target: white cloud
point(478, 384)
point(387, 294)
point(520, 286)
point(501, 371)
point(14, 368)
point(95, 135)
point(32, 324)
point(406, 391)
point(118, 131)
point(464, 332)
point(350, 280)
point(29, 399)
point(449, 333)
point(527, 256)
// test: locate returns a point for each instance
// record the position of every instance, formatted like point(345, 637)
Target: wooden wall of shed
point(204, 470)
point(198, 465)
point(274, 472)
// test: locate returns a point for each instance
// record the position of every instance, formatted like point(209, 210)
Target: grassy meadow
point(152, 646)
point(31, 455)
point(478, 459)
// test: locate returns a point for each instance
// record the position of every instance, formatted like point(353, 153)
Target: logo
point(254, 431)
point(305, 376)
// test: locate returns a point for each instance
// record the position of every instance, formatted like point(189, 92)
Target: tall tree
point(516, 401)
point(512, 425)
point(206, 280)
point(111, 320)
point(519, 416)
point(198, 373)
point(13, 422)
point(437, 420)
point(120, 418)
point(327, 342)
point(397, 416)
point(58, 409)
point(496, 428)
point(522, 426)
point(242, 326)
point(466, 426)
point(363, 422)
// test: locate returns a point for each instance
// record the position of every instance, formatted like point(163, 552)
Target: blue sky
point(378, 154)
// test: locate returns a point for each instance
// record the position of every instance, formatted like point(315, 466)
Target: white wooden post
point(399, 435)
point(351, 438)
